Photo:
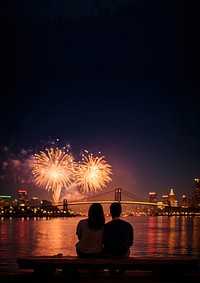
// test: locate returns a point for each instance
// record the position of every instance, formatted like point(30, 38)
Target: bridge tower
point(65, 205)
point(118, 196)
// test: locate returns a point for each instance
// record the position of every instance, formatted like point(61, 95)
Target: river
point(153, 236)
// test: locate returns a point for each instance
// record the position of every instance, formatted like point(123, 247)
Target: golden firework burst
point(93, 173)
point(53, 170)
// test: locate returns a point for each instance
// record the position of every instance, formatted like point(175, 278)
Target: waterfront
point(154, 236)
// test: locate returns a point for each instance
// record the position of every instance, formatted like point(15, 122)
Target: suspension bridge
point(116, 195)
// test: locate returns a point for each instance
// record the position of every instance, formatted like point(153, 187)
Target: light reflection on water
point(154, 236)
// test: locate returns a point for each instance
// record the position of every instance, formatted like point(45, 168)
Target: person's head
point(96, 218)
point(115, 209)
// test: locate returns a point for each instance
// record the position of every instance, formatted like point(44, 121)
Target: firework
point(53, 171)
point(93, 173)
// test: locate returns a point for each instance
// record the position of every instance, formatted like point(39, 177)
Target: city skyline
point(156, 197)
point(24, 206)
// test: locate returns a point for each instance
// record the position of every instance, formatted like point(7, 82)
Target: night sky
point(119, 76)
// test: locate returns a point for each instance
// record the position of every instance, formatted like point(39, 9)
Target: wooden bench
point(48, 264)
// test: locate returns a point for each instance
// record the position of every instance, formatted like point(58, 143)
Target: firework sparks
point(53, 171)
point(93, 174)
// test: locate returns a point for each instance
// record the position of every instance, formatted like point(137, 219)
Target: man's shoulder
point(118, 221)
point(126, 222)
point(108, 223)
point(83, 221)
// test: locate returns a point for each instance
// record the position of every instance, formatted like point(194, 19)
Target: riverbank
point(105, 277)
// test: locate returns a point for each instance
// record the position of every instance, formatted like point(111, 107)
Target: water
point(154, 236)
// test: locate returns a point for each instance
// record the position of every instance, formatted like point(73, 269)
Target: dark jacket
point(118, 237)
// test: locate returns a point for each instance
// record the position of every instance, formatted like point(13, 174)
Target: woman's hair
point(96, 218)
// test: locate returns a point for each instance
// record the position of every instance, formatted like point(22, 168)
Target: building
point(34, 202)
point(165, 199)
point(184, 201)
point(197, 193)
point(191, 201)
point(153, 199)
point(15, 202)
point(22, 197)
point(172, 200)
point(171, 197)
point(5, 201)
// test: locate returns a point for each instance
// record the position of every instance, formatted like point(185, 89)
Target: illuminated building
point(153, 199)
point(165, 199)
point(34, 202)
point(184, 201)
point(4, 201)
point(22, 199)
point(171, 197)
point(190, 201)
point(15, 202)
point(197, 193)
point(172, 200)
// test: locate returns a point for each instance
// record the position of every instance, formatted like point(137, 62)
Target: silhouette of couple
point(99, 239)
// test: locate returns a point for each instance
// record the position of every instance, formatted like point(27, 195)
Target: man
point(118, 234)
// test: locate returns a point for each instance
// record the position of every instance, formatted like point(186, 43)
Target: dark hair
point(115, 209)
point(96, 218)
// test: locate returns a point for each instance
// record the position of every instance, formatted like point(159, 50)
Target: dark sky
point(121, 76)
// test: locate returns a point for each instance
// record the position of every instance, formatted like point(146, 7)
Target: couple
point(99, 239)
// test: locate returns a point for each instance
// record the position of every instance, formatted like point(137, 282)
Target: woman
point(90, 233)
